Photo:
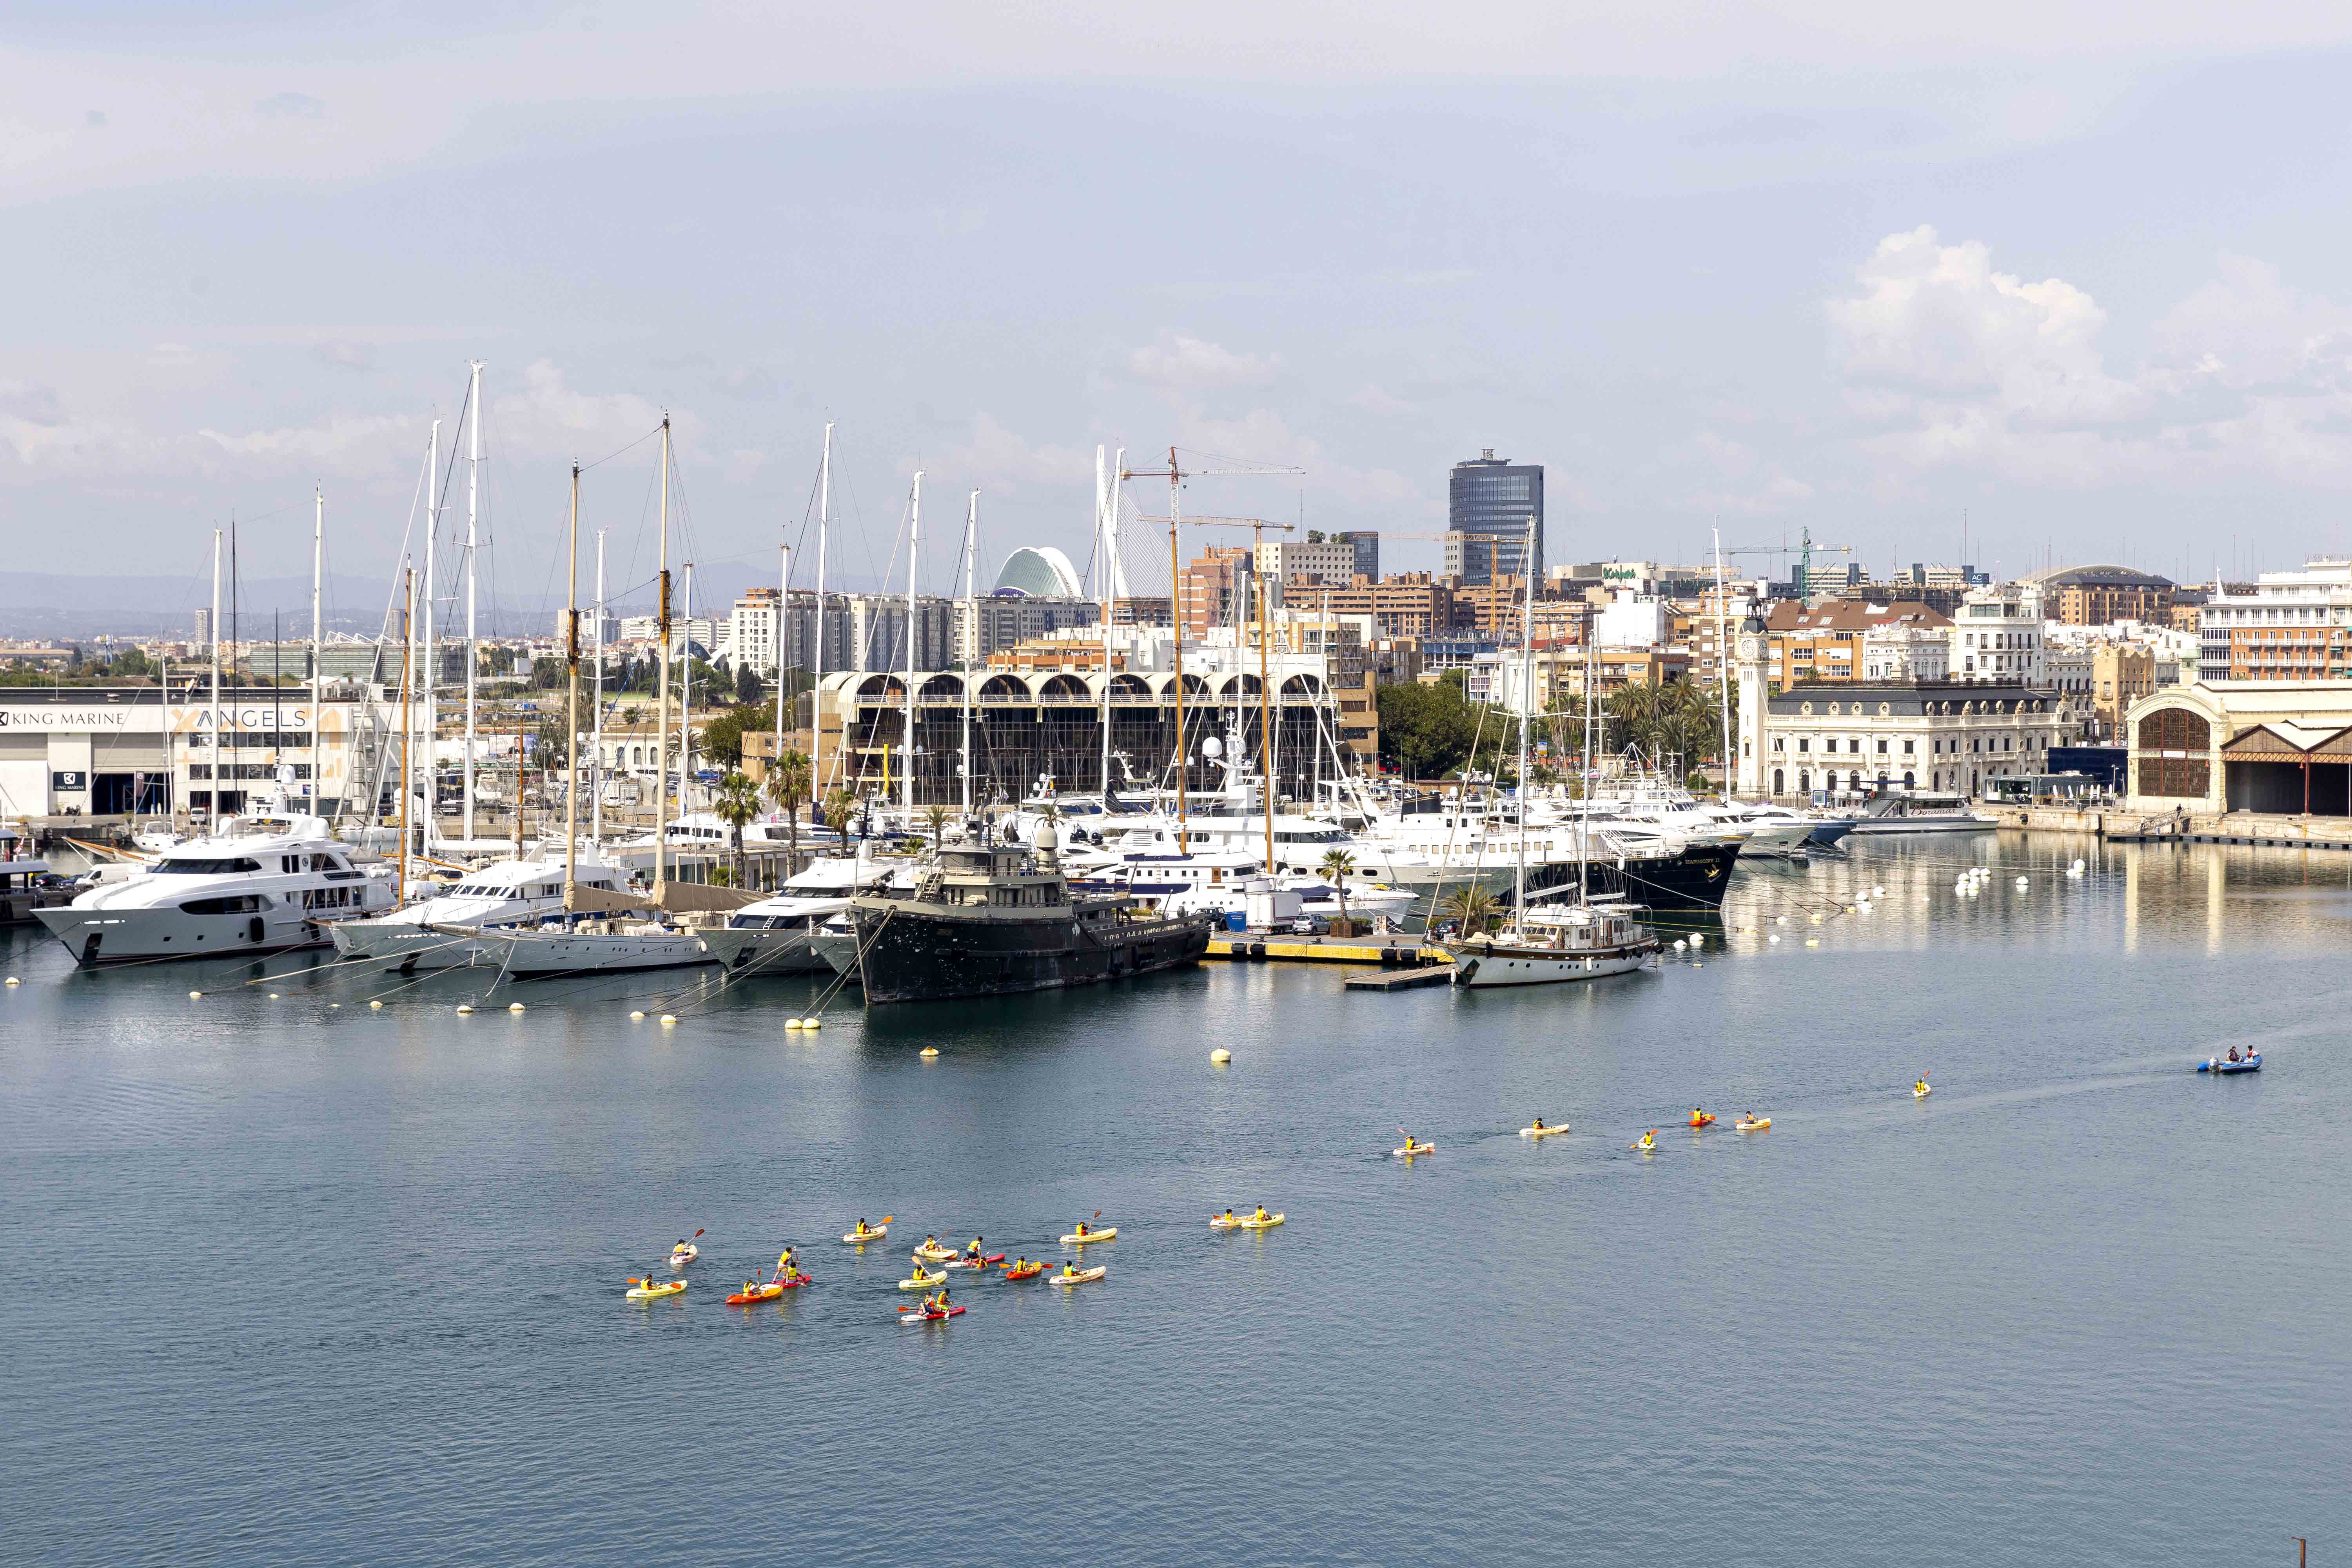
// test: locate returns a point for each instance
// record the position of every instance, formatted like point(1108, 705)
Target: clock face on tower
point(1748, 648)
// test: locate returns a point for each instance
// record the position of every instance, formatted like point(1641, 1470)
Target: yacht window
point(232, 904)
point(177, 868)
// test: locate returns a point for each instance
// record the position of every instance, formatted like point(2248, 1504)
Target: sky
point(2044, 283)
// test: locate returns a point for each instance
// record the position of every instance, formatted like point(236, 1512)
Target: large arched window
point(2174, 754)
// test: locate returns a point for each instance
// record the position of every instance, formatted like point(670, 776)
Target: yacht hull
point(103, 938)
point(911, 954)
point(765, 952)
point(1485, 963)
point(546, 954)
point(407, 947)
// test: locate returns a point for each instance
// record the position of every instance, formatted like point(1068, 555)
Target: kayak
point(1084, 1277)
point(1542, 1132)
point(977, 1262)
point(1031, 1272)
point(1416, 1149)
point(1702, 1122)
point(855, 1239)
point(1244, 1222)
point(932, 1253)
point(756, 1294)
point(2221, 1066)
point(1919, 1091)
point(1268, 1223)
point(923, 1282)
point(648, 1292)
point(684, 1256)
point(1758, 1125)
point(1647, 1146)
point(926, 1315)
point(1074, 1239)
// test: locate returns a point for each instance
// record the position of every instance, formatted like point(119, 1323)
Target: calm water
point(302, 1282)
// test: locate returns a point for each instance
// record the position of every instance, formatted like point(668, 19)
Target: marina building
point(2263, 745)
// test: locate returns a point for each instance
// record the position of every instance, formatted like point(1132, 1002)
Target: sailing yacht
point(509, 892)
point(261, 884)
point(1541, 946)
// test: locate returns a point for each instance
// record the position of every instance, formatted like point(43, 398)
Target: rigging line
point(630, 448)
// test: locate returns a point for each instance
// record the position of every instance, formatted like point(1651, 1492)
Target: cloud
point(342, 445)
point(1179, 361)
point(1951, 363)
point(999, 458)
point(291, 106)
point(551, 419)
point(343, 356)
point(1263, 435)
point(1374, 400)
point(1737, 479)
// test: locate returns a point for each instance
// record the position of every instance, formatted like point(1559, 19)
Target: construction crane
point(1176, 474)
point(1803, 550)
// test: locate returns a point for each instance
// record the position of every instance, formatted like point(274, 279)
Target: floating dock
point(1403, 979)
point(1389, 953)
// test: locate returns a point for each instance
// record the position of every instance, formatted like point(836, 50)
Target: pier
point(2247, 827)
point(1389, 953)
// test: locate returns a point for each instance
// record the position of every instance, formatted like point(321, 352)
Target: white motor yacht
point(587, 945)
point(508, 892)
point(1921, 811)
point(259, 885)
point(773, 936)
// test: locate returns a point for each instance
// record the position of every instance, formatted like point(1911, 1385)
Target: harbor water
point(299, 1279)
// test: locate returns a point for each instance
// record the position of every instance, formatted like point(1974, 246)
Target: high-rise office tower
point(1488, 502)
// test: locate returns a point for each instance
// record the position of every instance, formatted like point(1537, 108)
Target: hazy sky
point(2077, 271)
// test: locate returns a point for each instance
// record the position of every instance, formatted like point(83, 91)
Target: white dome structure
point(1040, 574)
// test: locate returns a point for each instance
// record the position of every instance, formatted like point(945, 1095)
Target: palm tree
point(839, 807)
point(735, 803)
point(935, 817)
point(788, 783)
point(1337, 864)
point(1472, 907)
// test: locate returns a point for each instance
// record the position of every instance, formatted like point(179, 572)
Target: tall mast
point(572, 704)
point(473, 630)
point(1723, 662)
point(661, 684)
point(1176, 613)
point(824, 507)
point(914, 552)
point(407, 734)
point(216, 672)
point(317, 670)
point(686, 702)
point(1107, 525)
point(596, 800)
point(1265, 703)
point(1527, 703)
point(971, 628)
point(430, 683)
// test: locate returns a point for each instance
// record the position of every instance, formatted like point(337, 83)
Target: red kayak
point(767, 1291)
point(1031, 1272)
point(930, 1315)
point(977, 1262)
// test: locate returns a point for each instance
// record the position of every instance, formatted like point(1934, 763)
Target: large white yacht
point(506, 892)
point(260, 884)
point(1145, 865)
point(772, 936)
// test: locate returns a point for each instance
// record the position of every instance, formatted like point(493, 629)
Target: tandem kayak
point(1030, 1273)
point(1084, 1277)
point(2223, 1066)
point(1244, 1222)
point(977, 1262)
point(1542, 1132)
point(1074, 1239)
point(648, 1292)
point(1758, 1125)
point(930, 1315)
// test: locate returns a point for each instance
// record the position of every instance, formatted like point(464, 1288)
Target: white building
point(1631, 620)
point(1997, 636)
point(2294, 624)
point(1896, 651)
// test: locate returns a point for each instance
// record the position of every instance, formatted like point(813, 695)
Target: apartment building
point(2285, 625)
point(2095, 595)
point(1997, 636)
point(1802, 645)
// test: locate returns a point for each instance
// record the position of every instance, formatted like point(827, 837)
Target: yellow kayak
point(1084, 1277)
point(1542, 1132)
point(1244, 1222)
point(1758, 1125)
point(1074, 1239)
point(648, 1292)
point(922, 1281)
point(931, 1252)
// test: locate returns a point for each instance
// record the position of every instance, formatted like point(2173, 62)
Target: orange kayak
point(1031, 1272)
point(1702, 1122)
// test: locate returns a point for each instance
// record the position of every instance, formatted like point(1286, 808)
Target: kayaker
point(1261, 1212)
point(1082, 1228)
point(1229, 1216)
point(1069, 1271)
point(974, 1251)
point(931, 1243)
point(1539, 1126)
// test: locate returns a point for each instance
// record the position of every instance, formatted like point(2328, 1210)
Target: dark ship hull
point(915, 953)
point(1694, 880)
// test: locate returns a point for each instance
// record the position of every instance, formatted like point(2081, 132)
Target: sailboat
point(1582, 940)
point(581, 941)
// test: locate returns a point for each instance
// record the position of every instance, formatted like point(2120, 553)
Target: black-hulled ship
point(996, 919)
